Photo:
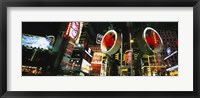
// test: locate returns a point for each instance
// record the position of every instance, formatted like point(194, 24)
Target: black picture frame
point(100, 3)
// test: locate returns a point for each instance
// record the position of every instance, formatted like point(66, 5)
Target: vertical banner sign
point(73, 30)
point(72, 33)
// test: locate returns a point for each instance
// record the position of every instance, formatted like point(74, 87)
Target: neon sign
point(73, 30)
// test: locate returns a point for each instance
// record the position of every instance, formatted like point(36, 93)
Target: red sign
point(67, 30)
point(110, 42)
point(72, 30)
point(153, 40)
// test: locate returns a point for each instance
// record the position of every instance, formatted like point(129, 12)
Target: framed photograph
point(87, 48)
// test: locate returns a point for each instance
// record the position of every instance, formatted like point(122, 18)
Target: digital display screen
point(36, 41)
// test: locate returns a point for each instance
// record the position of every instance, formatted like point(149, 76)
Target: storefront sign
point(98, 58)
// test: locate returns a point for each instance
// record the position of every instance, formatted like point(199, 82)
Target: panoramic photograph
point(76, 48)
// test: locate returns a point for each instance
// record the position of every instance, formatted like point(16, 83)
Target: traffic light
point(104, 59)
point(117, 56)
point(124, 57)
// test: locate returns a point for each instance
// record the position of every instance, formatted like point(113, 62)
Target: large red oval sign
point(111, 42)
point(153, 40)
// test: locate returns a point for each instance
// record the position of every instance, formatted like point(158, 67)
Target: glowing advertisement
point(36, 41)
point(85, 67)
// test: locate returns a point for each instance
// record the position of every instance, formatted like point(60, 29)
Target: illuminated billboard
point(36, 41)
point(85, 67)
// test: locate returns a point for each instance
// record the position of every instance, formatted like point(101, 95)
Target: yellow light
point(117, 56)
point(154, 37)
point(131, 41)
point(124, 69)
point(124, 57)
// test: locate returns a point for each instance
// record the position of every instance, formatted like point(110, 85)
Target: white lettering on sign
point(74, 30)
